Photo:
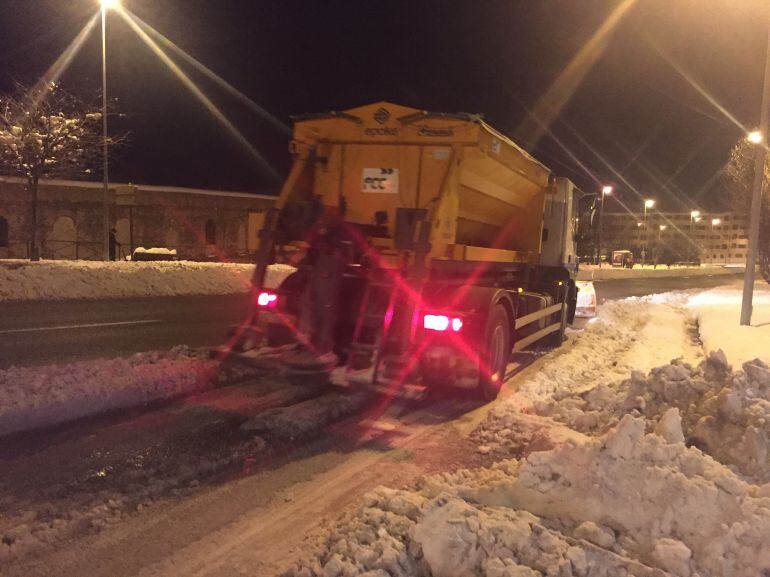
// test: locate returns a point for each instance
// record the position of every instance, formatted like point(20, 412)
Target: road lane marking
point(86, 326)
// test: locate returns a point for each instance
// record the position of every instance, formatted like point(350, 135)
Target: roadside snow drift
point(718, 312)
point(32, 397)
point(625, 503)
point(58, 280)
point(607, 272)
point(664, 471)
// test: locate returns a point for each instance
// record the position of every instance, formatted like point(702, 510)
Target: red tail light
point(441, 323)
point(266, 299)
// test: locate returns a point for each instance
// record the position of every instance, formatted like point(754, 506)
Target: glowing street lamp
point(606, 189)
point(694, 217)
point(714, 222)
point(648, 203)
point(754, 137)
point(110, 4)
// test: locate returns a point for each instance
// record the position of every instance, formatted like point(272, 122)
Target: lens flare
point(263, 165)
point(211, 75)
point(560, 92)
point(43, 86)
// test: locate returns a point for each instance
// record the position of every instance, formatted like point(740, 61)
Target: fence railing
point(69, 249)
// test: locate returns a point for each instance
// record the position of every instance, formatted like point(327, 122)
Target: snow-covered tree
point(739, 173)
point(47, 134)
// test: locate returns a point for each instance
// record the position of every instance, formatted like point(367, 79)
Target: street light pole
point(694, 217)
point(105, 174)
point(661, 228)
point(712, 247)
point(649, 203)
point(605, 191)
point(756, 196)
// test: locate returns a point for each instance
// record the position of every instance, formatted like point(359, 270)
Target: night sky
point(633, 109)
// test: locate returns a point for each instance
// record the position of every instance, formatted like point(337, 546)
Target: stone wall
point(71, 220)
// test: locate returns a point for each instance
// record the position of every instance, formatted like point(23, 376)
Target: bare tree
point(739, 173)
point(47, 134)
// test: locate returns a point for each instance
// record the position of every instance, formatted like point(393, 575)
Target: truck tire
point(496, 352)
point(555, 339)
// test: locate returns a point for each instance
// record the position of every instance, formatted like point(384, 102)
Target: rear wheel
point(556, 338)
point(496, 352)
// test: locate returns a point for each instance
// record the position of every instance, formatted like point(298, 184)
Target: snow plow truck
point(407, 250)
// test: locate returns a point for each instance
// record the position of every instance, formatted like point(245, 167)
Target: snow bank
point(726, 414)
point(587, 386)
point(671, 480)
point(593, 272)
point(718, 312)
point(632, 334)
point(33, 397)
point(154, 250)
point(622, 504)
point(55, 280)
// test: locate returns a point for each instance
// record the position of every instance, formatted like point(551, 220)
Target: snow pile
point(33, 397)
point(54, 280)
point(718, 312)
point(154, 250)
point(607, 272)
point(724, 413)
point(622, 504)
point(633, 334)
point(276, 273)
point(300, 420)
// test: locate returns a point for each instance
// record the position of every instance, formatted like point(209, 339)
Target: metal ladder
point(372, 327)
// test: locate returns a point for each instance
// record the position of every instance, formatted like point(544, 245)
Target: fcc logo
point(381, 115)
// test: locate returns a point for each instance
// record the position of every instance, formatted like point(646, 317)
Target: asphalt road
point(47, 332)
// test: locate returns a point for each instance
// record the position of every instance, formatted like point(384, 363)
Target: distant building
point(718, 237)
point(199, 224)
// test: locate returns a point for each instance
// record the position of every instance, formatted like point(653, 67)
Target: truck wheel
point(497, 351)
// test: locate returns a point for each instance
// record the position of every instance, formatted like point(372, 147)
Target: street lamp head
point(110, 4)
point(694, 213)
point(697, 219)
point(663, 227)
point(639, 224)
point(716, 221)
point(607, 189)
point(649, 203)
point(754, 137)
